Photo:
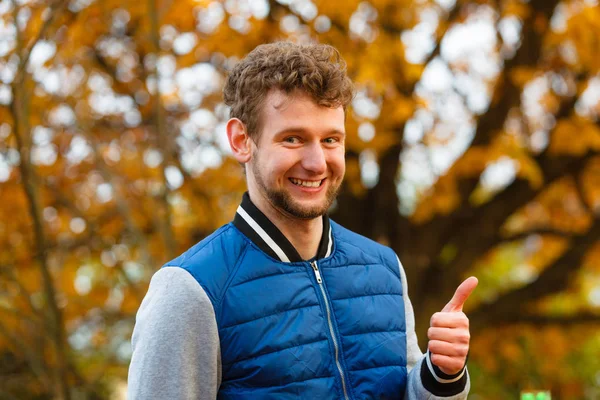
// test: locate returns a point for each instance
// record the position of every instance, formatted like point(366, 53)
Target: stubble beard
point(283, 200)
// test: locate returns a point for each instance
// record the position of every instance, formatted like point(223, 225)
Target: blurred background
point(473, 149)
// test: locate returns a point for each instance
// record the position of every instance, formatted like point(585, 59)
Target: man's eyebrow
point(303, 130)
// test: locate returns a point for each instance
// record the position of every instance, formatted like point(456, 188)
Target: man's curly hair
point(316, 69)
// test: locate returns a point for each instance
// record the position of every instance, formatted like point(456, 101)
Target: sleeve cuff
point(439, 383)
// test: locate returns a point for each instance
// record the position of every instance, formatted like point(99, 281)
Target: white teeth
point(312, 184)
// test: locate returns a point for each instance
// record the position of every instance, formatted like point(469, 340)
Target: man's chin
point(298, 207)
point(305, 212)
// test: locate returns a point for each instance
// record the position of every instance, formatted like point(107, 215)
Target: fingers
point(448, 349)
point(449, 320)
point(449, 335)
point(448, 365)
point(461, 295)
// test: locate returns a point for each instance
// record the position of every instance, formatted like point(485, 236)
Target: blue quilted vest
point(329, 328)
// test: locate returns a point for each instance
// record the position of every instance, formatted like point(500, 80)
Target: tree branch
point(164, 210)
point(583, 318)
point(32, 357)
point(56, 9)
point(553, 279)
point(20, 112)
point(536, 232)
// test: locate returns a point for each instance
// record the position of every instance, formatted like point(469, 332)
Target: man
point(283, 303)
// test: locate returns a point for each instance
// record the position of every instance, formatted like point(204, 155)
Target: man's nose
point(314, 159)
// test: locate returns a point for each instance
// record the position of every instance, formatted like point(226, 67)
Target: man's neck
point(303, 234)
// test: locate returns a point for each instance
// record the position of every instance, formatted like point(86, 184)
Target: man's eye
point(331, 140)
point(292, 139)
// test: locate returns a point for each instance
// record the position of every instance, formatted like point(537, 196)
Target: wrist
point(440, 384)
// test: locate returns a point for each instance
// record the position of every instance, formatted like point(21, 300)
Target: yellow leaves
point(592, 261)
point(413, 72)
point(379, 65)
point(582, 294)
point(443, 199)
point(510, 146)
point(575, 137)
point(472, 163)
point(533, 358)
point(382, 141)
point(444, 196)
point(111, 227)
point(449, 199)
point(398, 109)
point(582, 31)
point(337, 10)
point(99, 294)
point(7, 118)
point(590, 184)
point(511, 352)
point(9, 321)
point(131, 301)
point(387, 132)
point(520, 76)
point(517, 9)
point(556, 344)
point(558, 207)
point(353, 178)
point(547, 250)
point(196, 55)
point(230, 42)
point(29, 278)
point(530, 170)
point(178, 13)
point(66, 278)
point(572, 390)
point(84, 30)
point(565, 208)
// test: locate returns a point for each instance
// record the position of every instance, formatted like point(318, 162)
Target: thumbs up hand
point(449, 331)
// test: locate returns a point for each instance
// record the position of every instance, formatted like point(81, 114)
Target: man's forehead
point(279, 100)
point(298, 109)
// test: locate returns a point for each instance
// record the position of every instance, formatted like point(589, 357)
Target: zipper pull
point(313, 264)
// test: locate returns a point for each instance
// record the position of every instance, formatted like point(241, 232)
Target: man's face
point(298, 164)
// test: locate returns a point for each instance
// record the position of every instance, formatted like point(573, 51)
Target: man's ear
point(239, 140)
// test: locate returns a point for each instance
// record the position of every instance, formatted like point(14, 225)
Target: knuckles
point(449, 320)
point(436, 319)
point(465, 320)
point(464, 337)
point(462, 351)
point(460, 335)
point(430, 332)
point(451, 364)
point(448, 349)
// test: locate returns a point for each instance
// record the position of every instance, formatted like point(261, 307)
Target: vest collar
point(258, 228)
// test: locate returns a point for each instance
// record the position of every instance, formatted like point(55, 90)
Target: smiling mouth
point(309, 184)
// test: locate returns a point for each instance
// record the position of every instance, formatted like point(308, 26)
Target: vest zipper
point(315, 268)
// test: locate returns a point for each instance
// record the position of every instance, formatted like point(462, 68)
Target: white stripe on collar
point(264, 236)
point(330, 244)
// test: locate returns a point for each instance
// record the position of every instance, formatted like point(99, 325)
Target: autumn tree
point(472, 148)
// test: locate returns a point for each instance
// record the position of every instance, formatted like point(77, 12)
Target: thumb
point(461, 295)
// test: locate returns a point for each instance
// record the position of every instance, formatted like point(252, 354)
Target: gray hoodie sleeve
point(176, 351)
point(423, 381)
